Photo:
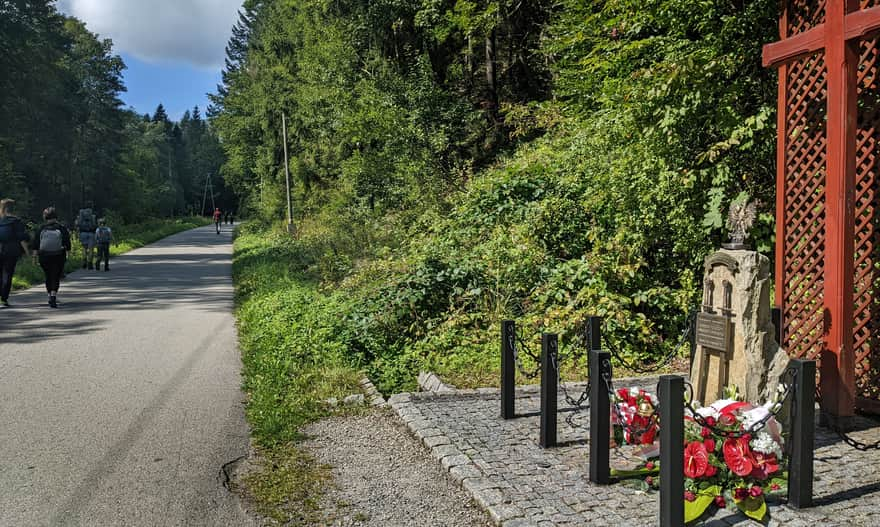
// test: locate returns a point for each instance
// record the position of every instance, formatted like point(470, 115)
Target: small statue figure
point(740, 219)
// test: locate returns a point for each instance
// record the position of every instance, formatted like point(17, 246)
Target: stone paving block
point(488, 497)
point(502, 513)
point(513, 477)
point(399, 398)
point(454, 461)
point(437, 440)
point(442, 451)
point(463, 472)
point(519, 522)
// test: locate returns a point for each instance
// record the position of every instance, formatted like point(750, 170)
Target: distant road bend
point(119, 408)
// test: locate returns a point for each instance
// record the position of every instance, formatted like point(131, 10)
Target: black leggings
point(53, 266)
point(103, 254)
point(7, 269)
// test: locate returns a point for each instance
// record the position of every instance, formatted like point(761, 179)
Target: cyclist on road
point(218, 217)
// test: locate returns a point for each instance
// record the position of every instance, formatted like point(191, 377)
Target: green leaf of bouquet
point(754, 508)
point(695, 509)
point(621, 474)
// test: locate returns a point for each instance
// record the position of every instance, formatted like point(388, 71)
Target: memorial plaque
point(713, 331)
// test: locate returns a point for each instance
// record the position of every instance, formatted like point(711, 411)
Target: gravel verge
point(383, 477)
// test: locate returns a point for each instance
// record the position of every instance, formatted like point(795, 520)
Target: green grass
point(127, 238)
point(293, 360)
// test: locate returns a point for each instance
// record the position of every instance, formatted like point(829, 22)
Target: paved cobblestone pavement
point(520, 484)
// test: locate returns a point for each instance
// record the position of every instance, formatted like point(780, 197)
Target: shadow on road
point(189, 269)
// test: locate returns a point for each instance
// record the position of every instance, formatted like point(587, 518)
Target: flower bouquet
point(634, 417)
point(725, 463)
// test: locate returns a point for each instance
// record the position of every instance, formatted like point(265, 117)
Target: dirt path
point(385, 478)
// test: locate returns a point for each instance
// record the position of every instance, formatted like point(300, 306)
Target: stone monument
point(735, 338)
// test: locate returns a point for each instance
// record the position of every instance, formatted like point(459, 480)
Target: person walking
point(51, 244)
point(217, 216)
point(13, 243)
point(103, 238)
point(85, 224)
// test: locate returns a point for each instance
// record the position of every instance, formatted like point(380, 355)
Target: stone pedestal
point(736, 343)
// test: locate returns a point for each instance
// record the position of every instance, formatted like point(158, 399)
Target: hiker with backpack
point(85, 224)
point(13, 243)
point(103, 238)
point(51, 244)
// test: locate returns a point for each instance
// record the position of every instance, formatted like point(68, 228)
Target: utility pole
point(287, 175)
point(208, 185)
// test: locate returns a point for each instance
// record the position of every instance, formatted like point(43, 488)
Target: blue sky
point(178, 86)
point(174, 49)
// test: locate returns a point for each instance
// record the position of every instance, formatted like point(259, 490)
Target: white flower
point(750, 417)
point(708, 411)
point(654, 400)
point(633, 391)
point(765, 444)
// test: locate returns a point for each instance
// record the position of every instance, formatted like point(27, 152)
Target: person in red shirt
point(217, 218)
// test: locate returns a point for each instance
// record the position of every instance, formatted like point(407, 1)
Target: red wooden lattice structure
point(828, 194)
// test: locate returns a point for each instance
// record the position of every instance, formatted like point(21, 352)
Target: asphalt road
point(120, 407)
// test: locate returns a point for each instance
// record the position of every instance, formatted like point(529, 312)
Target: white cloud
point(189, 31)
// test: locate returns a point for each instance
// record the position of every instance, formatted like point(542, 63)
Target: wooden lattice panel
point(804, 15)
point(866, 321)
point(805, 211)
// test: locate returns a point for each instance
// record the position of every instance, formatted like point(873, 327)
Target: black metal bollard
point(600, 418)
point(508, 369)
point(595, 325)
point(803, 431)
point(671, 451)
point(549, 350)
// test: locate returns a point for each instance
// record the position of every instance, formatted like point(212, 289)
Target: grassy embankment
point(126, 238)
point(293, 360)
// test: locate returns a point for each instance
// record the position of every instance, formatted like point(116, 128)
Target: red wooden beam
point(861, 23)
point(810, 41)
point(837, 360)
point(781, 175)
point(857, 25)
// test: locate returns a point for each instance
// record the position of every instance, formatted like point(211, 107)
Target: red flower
point(775, 486)
point(710, 421)
point(696, 460)
point(764, 465)
point(649, 435)
point(740, 493)
point(649, 480)
point(711, 470)
point(690, 496)
point(719, 501)
point(755, 491)
point(649, 465)
point(738, 456)
point(705, 433)
point(710, 444)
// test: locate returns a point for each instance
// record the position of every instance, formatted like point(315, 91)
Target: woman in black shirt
point(51, 244)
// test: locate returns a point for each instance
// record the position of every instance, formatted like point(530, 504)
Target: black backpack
point(8, 239)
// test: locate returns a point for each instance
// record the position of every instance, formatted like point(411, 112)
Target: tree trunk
point(491, 74)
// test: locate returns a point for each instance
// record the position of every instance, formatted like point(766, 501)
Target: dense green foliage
point(65, 139)
point(459, 162)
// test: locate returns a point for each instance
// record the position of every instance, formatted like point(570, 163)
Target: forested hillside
point(457, 162)
point(65, 138)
